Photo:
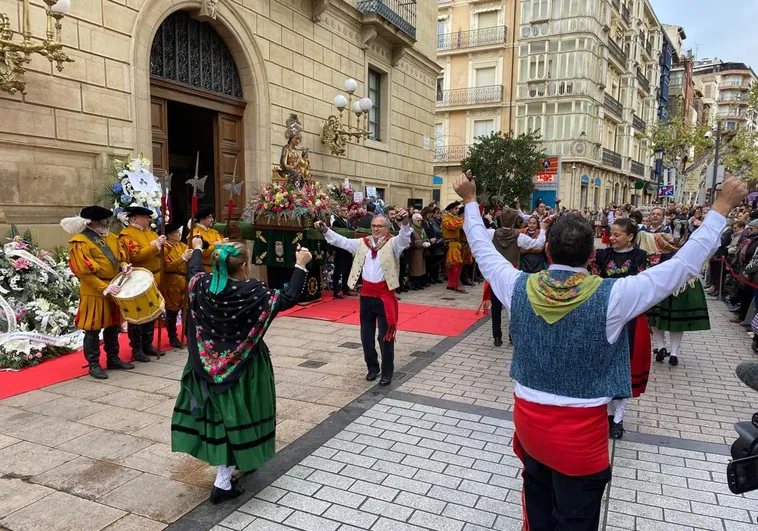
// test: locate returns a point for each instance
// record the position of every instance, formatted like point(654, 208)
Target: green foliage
point(741, 157)
point(504, 166)
point(677, 138)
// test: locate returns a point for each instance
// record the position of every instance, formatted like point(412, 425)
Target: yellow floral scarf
point(552, 299)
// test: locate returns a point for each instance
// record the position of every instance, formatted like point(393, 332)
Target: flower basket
point(280, 205)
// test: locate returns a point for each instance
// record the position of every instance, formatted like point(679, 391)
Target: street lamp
point(15, 54)
point(335, 134)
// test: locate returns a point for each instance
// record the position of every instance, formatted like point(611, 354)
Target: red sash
point(379, 290)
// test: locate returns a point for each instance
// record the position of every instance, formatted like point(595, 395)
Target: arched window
point(190, 52)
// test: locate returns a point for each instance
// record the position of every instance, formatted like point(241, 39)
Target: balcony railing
point(723, 115)
point(399, 13)
point(643, 81)
point(625, 15)
point(613, 105)
point(450, 154)
point(611, 158)
point(471, 39)
point(616, 51)
point(638, 123)
point(638, 168)
point(470, 96)
point(734, 86)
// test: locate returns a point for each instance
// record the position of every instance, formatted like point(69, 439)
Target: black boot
point(135, 342)
point(220, 495)
point(173, 338)
point(110, 338)
point(148, 333)
point(92, 354)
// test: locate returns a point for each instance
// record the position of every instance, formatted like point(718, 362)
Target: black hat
point(137, 211)
point(203, 213)
point(174, 225)
point(95, 213)
point(452, 205)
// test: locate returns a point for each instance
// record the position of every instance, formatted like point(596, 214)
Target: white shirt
point(525, 242)
point(372, 267)
point(630, 296)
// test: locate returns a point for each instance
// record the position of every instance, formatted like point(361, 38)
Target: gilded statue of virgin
point(294, 164)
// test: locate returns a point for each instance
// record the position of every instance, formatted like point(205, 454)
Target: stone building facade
point(290, 56)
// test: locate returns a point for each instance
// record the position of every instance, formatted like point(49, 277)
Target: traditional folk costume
point(509, 243)
point(563, 387)
point(225, 413)
point(610, 263)
point(96, 260)
point(377, 264)
point(417, 266)
point(451, 232)
point(138, 245)
point(685, 310)
point(209, 235)
point(533, 260)
point(174, 286)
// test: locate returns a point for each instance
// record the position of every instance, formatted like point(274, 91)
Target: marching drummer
point(204, 228)
point(95, 257)
point(174, 288)
point(142, 247)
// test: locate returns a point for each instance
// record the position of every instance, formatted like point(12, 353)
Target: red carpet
point(412, 317)
point(60, 369)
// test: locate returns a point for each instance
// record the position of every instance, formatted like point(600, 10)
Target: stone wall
point(56, 140)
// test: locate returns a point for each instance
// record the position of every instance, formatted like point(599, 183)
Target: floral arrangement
point(40, 293)
point(281, 201)
point(135, 186)
point(342, 194)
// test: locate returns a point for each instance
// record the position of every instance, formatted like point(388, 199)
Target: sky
point(715, 28)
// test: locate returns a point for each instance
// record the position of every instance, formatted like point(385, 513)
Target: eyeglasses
point(378, 226)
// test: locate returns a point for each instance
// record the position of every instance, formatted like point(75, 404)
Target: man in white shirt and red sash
point(571, 353)
point(376, 262)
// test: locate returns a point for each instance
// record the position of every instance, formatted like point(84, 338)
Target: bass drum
point(139, 300)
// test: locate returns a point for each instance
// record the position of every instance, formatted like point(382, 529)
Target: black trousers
point(171, 317)
point(496, 313)
point(372, 310)
point(92, 344)
point(342, 264)
point(556, 502)
point(141, 336)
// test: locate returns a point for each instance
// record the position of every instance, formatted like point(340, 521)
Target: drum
point(139, 300)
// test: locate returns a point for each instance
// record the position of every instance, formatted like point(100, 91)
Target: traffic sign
point(666, 190)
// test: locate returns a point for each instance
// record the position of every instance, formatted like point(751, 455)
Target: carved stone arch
point(231, 24)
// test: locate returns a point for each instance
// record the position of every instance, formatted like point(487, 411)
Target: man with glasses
point(376, 263)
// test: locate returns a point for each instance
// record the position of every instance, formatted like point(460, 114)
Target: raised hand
point(321, 227)
point(732, 193)
point(466, 188)
point(302, 256)
point(403, 214)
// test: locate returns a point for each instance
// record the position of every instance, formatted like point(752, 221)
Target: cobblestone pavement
point(433, 452)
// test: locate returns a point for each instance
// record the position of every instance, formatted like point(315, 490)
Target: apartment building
point(475, 47)
point(725, 88)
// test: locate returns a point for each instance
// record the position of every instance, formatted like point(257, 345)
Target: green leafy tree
point(677, 138)
point(741, 155)
point(504, 166)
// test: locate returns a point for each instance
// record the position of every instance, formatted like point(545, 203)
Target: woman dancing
point(623, 259)
point(225, 413)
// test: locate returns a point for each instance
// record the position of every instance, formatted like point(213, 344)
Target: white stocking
point(676, 341)
point(621, 404)
point(659, 339)
point(224, 477)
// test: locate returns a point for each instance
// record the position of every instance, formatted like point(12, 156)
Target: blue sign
point(436, 180)
point(667, 190)
point(546, 164)
point(598, 182)
point(585, 179)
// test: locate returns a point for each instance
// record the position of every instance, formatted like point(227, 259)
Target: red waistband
point(570, 440)
point(374, 289)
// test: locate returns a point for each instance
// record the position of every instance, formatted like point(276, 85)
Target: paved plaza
point(432, 452)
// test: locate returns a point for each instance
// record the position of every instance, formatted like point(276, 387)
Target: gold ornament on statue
point(334, 133)
point(294, 165)
point(14, 55)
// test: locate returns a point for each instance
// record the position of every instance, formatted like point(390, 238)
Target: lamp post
point(14, 55)
point(335, 133)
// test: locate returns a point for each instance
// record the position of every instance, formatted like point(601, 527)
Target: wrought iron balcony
point(625, 15)
point(470, 96)
point(638, 123)
point(450, 154)
point(611, 158)
point(399, 13)
point(616, 52)
point(643, 81)
point(638, 168)
point(613, 105)
point(471, 39)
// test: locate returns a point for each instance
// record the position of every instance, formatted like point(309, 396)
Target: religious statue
point(294, 166)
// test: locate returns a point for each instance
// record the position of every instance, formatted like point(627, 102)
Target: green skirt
point(686, 312)
point(236, 427)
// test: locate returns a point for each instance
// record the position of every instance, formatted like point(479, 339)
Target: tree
point(504, 166)
point(678, 139)
point(741, 156)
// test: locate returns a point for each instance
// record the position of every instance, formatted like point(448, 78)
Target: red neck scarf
point(379, 290)
point(369, 241)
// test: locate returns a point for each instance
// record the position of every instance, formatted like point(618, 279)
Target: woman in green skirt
point(684, 311)
point(225, 413)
